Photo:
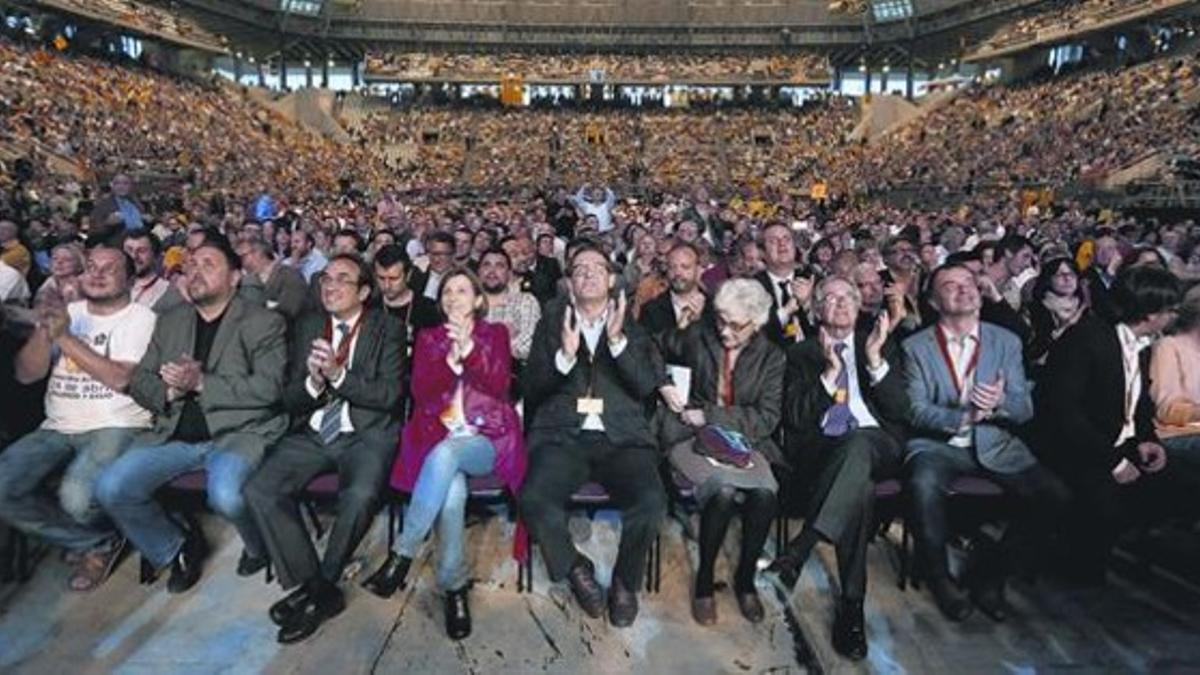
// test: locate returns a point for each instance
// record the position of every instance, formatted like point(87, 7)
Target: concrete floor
point(221, 626)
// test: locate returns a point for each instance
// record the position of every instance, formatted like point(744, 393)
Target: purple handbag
point(724, 445)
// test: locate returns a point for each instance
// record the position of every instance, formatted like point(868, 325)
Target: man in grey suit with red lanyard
point(967, 392)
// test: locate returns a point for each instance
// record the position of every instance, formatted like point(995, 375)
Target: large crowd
point(293, 313)
point(152, 17)
point(664, 68)
point(1064, 16)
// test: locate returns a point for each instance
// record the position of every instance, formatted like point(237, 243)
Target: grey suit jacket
point(243, 377)
point(935, 411)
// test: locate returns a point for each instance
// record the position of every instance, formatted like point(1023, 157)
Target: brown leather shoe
point(585, 588)
point(622, 605)
point(751, 606)
point(704, 610)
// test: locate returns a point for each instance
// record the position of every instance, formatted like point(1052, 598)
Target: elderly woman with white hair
point(719, 438)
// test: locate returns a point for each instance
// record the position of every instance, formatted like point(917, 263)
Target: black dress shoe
point(990, 600)
point(786, 570)
point(622, 605)
point(952, 602)
point(849, 633)
point(188, 564)
point(587, 591)
point(751, 606)
point(249, 565)
point(458, 614)
point(285, 610)
point(389, 577)
point(322, 605)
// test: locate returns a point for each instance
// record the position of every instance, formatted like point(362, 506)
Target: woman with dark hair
point(462, 424)
point(736, 386)
point(1057, 303)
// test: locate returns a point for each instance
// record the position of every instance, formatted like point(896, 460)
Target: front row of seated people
point(222, 384)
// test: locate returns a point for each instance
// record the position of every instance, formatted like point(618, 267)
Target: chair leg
point(311, 509)
point(391, 527)
point(270, 573)
point(22, 556)
point(905, 555)
point(657, 563)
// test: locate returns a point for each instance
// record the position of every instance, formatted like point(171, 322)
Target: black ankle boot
point(458, 614)
point(187, 564)
point(390, 576)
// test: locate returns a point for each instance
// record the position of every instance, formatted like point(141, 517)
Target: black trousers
point(272, 495)
point(842, 506)
point(559, 465)
point(1038, 498)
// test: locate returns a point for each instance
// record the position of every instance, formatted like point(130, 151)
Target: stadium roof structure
point(844, 30)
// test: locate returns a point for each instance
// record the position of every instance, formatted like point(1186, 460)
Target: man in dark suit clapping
point(590, 372)
point(343, 392)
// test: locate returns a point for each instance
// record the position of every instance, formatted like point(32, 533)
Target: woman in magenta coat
point(462, 425)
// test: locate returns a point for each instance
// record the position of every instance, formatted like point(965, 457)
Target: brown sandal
point(94, 567)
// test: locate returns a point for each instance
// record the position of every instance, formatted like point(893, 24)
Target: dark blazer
point(1099, 293)
point(243, 377)
point(658, 318)
point(773, 330)
point(806, 401)
point(757, 388)
point(105, 207)
point(542, 280)
point(373, 382)
point(625, 383)
point(1081, 401)
point(935, 411)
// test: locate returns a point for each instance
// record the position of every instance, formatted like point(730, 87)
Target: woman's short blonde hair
point(745, 298)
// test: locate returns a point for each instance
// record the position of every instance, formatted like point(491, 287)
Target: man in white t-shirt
point(89, 349)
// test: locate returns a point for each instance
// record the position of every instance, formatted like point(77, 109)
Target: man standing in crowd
point(967, 392)
point(213, 377)
point(89, 348)
point(590, 370)
point(343, 394)
point(118, 211)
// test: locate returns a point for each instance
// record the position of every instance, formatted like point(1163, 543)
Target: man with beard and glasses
point(89, 349)
point(213, 376)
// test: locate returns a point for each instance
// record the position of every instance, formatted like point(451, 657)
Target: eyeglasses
point(326, 280)
point(723, 322)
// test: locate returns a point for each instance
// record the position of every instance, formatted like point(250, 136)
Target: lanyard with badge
point(588, 404)
point(959, 385)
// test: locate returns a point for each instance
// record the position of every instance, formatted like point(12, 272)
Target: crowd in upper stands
point(292, 313)
point(1063, 16)
point(615, 67)
point(153, 17)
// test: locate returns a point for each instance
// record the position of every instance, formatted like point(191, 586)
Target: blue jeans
point(441, 493)
point(71, 521)
point(126, 491)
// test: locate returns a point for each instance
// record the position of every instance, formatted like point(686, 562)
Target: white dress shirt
point(314, 420)
point(591, 331)
point(858, 405)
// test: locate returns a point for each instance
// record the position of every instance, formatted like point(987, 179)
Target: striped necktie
point(331, 414)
